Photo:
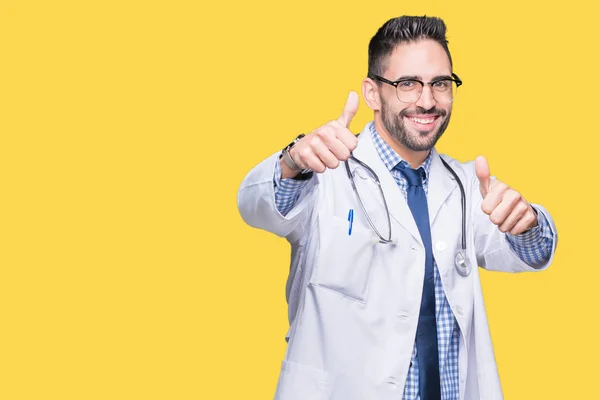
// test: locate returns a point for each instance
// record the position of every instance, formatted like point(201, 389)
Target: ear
point(370, 92)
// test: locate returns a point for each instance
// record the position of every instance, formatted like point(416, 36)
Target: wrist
point(289, 168)
point(286, 171)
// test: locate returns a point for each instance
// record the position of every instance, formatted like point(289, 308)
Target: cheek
point(393, 109)
point(403, 109)
point(396, 111)
point(448, 109)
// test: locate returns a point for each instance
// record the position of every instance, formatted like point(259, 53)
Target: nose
point(426, 99)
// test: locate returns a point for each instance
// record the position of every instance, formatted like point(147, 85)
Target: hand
point(327, 145)
point(505, 206)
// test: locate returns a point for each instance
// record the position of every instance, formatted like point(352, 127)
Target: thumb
point(350, 109)
point(482, 169)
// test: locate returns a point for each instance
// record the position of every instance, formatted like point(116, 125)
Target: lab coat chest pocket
point(344, 261)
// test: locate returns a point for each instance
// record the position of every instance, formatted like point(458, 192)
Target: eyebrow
point(440, 77)
point(419, 78)
point(409, 77)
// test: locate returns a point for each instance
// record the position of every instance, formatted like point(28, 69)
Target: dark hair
point(405, 29)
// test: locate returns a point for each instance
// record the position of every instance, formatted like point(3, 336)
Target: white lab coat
point(353, 303)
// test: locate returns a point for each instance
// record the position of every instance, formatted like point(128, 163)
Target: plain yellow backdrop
point(126, 128)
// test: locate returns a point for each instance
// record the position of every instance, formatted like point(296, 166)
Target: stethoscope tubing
point(464, 267)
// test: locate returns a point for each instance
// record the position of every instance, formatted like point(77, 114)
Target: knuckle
point(495, 219)
point(319, 168)
point(345, 154)
point(515, 196)
point(334, 124)
point(304, 152)
point(306, 140)
point(327, 131)
point(498, 185)
point(502, 186)
point(333, 164)
point(353, 143)
point(486, 208)
point(320, 132)
point(314, 144)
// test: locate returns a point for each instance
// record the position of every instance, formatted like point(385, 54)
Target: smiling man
point(387, 234)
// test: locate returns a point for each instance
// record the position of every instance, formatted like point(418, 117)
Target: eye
point(442, 84)
point(407, 84)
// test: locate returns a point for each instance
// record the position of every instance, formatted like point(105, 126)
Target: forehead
point(425, 58)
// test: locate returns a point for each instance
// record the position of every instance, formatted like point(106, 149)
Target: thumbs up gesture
point(327, 145)
point(505, 206)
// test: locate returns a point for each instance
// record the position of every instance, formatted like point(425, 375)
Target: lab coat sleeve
point(535, 245)
point(287, 190)
point(493, 250)
point(256, 201)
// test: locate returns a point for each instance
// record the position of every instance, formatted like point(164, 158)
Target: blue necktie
point(427, 347)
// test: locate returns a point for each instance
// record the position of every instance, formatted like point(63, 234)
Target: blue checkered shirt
point(533, 247)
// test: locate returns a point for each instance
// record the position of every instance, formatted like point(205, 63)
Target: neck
point(414, 158)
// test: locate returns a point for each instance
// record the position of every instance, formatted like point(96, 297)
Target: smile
point(423, 120)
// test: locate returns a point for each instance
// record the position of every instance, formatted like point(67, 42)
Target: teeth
point(422, 121)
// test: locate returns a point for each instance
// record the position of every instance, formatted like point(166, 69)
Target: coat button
point(440, 245)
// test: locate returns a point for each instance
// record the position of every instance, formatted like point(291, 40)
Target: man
point(383, 300)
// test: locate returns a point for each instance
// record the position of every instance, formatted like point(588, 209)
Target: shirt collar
point(389, 157)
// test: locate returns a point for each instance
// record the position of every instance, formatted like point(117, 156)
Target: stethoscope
point(461, 261)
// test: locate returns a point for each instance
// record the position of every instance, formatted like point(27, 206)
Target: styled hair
point(404, 29)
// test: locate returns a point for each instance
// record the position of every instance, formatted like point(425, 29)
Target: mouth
point(423, 122)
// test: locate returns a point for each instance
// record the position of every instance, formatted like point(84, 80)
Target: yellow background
point(126, 128)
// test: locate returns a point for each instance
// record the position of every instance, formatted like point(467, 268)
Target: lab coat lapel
point(441, 185)
point(397, 205)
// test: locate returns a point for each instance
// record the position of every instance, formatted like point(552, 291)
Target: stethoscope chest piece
point(461, 263)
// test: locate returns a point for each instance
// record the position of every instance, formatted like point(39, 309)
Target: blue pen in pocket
point(351, 220)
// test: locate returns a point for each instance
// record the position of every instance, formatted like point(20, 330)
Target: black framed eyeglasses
point(408, 89)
